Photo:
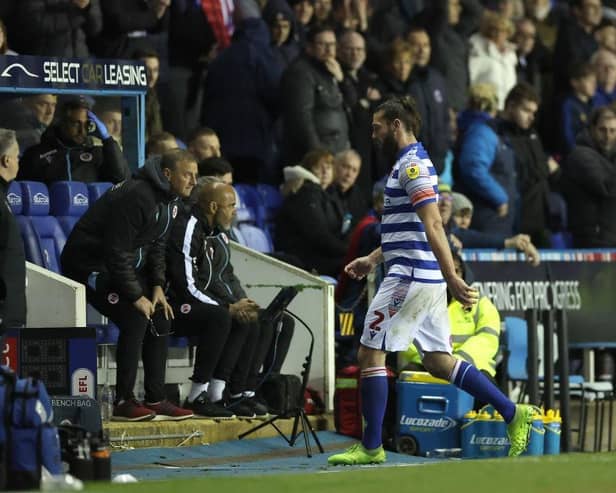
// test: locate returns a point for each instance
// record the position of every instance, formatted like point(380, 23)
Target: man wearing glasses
point(117, 249)
point(67, 151)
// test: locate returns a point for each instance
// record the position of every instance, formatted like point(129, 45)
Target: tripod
point(301, 425)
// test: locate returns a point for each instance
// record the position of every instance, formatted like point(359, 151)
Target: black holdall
point(282, 393)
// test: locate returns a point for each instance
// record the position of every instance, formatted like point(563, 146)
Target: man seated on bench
point(204, 284)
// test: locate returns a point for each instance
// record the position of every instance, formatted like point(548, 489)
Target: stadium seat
point(250, 208)
point(561, 240)
point(13, 197)
point(69, 201)
point(272, 201)
point(48, 234)
point(96, 189)
point(238, 236)
point(256, 238)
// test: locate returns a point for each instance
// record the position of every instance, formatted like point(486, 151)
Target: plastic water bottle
point(106, 403)
point(552, 423)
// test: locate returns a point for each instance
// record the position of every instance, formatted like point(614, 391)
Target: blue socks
point(373, 404)
point(468, 378)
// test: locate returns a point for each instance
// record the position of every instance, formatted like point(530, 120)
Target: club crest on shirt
point(412, 171)
point(113, 298)
point(185, 308)
point(174, 211)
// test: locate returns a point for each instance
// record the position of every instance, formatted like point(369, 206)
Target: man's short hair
point(403, 108)
point(171, 158)
point(520, 93)
point(580, 70)
point(214, 166)
point(7, 138)
point(344, 155)
point(201, 132)
point(77, 103)
point(316, 30)
point(598, 114)
point(155, 143)
point(145, 52)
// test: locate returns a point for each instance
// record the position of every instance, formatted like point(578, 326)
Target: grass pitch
point(574, 473)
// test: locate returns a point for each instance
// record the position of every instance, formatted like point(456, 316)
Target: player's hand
point(462, 292)
point(159, 298)
point(144, 306)
point(359, 268)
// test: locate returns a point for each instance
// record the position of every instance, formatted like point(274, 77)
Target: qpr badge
point(86, 157)
point(113, 298)
point(174, 211)
point(185, 308)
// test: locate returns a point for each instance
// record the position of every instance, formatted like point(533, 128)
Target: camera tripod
point(301, 424)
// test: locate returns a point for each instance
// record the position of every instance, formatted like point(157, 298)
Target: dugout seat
point(97, 189)
point(68, 202)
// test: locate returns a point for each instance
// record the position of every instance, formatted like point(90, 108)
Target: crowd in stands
point(517, 101)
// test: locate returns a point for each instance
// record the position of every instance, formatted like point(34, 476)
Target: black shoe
point(241, 407)
point(204, 408)
point(260, 410)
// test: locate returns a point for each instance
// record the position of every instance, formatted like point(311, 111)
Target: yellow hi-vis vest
point(474, 335)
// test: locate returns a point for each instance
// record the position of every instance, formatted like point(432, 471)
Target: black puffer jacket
point(309, 226)
point(199, 263)
point(55, 27)
point(123, 234)
point(12, 267)
point(589, 186)
point(55, 160)
point(313, 110)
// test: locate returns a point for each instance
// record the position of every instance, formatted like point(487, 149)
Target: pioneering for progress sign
point(584, 285)
point(29, 72)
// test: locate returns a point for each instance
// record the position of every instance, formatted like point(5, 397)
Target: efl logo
point(7, 71)
point(82, 382)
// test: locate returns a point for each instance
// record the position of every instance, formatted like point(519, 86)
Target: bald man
point(203, 286)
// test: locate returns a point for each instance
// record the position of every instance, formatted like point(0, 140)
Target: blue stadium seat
point(250, 208)
point(96, 189)
point(69, 201)
point(13, 197)
point(272, 201)
point(237, 234)
point(256, 238)
point(48, 234)
point(561, 240)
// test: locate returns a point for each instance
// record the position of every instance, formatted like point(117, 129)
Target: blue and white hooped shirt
point(413, 183)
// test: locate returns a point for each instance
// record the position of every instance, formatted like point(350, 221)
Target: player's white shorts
point(405, 311)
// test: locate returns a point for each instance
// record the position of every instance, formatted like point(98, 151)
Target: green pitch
point(575, 473)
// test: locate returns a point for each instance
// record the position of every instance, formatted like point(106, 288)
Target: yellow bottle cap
point(484, 415)
point(470, 415)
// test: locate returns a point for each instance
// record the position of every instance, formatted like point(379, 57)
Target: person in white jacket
point(492, 57)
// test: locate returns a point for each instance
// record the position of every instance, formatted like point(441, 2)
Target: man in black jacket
point(12, 258)
point(313, 110)
point(66, 151)
point(117, 249)
point(204, 284)
point(536, 171)
point(589, 176)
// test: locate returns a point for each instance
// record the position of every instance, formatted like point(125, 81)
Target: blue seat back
point(237, 234)
point(51, 239)
point(67, 223)
point(68, 198)
point(13, 197)
point(250, 207)
point(35, 198)
point(256, 238)
point(516, 338)
point(97, 189)
point(32, 248)
point(271, 199)
point(45, 229)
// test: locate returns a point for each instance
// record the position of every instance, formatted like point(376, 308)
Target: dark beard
point(389, 150)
